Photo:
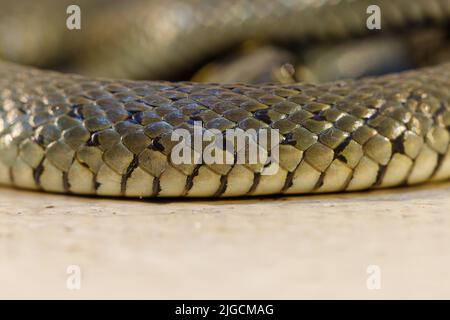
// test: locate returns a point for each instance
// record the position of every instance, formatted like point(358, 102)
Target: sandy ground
point(278, 247)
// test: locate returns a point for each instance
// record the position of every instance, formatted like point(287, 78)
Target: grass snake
point(68, 133)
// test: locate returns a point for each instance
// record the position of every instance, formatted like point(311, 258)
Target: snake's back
point(67, 133)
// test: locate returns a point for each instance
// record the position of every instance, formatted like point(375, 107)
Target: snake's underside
point(74, 134)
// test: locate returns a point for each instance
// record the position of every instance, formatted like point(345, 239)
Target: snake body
point(74, 134)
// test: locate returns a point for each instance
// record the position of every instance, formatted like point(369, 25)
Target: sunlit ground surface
point(278, 247)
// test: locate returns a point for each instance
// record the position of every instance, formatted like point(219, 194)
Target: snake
point(88, 134)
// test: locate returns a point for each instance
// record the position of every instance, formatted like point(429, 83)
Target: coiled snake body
point(73, 134)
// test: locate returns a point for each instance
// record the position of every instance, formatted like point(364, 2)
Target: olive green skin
point(70, 134)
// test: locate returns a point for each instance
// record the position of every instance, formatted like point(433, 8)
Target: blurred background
point(225, 41)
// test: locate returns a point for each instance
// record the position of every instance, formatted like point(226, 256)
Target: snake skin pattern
point(72, 134)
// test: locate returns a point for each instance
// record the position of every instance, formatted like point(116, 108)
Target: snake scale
point(67, 133)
